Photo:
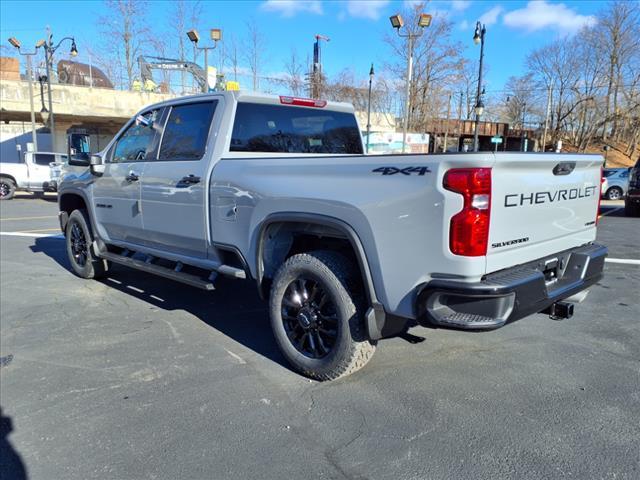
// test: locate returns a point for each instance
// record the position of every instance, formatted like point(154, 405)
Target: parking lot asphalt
point(139, 377)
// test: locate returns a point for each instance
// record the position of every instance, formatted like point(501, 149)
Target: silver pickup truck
point(348, 248)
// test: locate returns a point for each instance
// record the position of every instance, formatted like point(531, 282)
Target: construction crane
point(316, 74)
point(147, 64)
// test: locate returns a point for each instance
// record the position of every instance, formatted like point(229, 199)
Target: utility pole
point(316, 74)
point(446, 128)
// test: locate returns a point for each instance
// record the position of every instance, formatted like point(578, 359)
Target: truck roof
point(258, 97)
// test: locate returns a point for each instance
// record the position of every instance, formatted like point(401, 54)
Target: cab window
point(187, 130)
point(136, 143)
point(278, 128)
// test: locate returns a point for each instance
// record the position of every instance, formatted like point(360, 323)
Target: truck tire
point(78, 237)
point(317, 316)
point(7, 188)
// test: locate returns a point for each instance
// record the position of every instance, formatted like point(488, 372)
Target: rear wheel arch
point(283, 235)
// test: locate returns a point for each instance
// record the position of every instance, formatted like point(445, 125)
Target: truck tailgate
point(540, 205)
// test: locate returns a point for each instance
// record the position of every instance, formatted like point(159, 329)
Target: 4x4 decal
point(403, 171)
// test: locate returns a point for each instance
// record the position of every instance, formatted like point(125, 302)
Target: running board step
point(169, 273)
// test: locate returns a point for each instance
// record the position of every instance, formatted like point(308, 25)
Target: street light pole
point(371, 73)
point(424, 20)
point(16, 43)
point(34, 135)
point(194, 37)
point(407, 93)
point(49, 50)
point(478, 37)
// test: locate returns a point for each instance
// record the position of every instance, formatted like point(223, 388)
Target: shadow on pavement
point(612, 210)
point(11, 465)
point(233, 308)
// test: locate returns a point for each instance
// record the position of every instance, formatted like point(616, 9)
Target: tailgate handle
point(564, 168)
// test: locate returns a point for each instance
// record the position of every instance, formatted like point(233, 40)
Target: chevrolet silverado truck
point(38, 172)
point(347, 248)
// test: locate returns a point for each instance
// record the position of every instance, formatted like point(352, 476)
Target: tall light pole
point(216, 36)
point(397, 22)
point(49, 50)
point(371, 73)
point(16, 43)
point(478, 38)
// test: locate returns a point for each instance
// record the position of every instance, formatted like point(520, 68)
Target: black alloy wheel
point(79, 246)
point(310, 317)
point(78, 239)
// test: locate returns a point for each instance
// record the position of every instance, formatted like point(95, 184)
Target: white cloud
point(429, 6)
point(289, 8)
point(371, 9)
point(491, 16)
point(460, 5)
point(540, 14)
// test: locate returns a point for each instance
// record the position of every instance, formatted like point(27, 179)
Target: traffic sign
point(496, 139)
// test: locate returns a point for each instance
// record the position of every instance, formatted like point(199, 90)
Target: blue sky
point(356, 28)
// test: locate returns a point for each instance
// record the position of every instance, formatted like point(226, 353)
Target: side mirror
point(96, 164)
point(78, 148)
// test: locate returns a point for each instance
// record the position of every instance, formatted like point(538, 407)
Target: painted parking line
point(32, 235)
point(13, 219)
point(629, 261)
point(42, 230)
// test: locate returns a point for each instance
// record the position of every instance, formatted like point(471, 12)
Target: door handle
point(132, 177)
point(190, 180)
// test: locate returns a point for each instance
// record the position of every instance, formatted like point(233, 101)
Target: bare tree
point(126, 34)
point(183, 17)
point(254, 50)
point(619, 29)
point(295, 73)
point(232, 53)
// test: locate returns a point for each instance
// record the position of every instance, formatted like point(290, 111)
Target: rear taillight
point(469, 228)
point(599, 196)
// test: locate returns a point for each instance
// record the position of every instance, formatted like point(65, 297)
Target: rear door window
point(287, 129)
point(187, 130)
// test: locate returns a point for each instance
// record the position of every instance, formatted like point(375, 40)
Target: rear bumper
point(510, 294)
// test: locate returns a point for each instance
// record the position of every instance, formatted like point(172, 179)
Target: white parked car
point(38, 172)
